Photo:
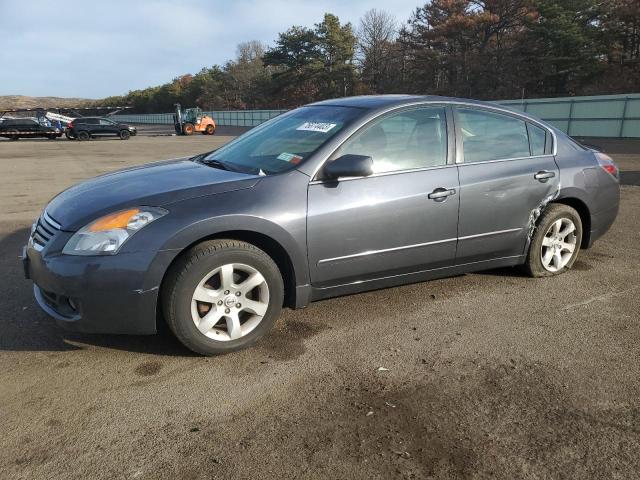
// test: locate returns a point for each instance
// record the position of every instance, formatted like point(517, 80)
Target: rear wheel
point(556, 241)
point(125, 134)
point(210, 130)
point(222, 296)
point(13, 134)
point(188, 129)
point(82, 136)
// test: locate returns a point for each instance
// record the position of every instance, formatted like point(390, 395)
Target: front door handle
point(544, 175)
point(440, 194)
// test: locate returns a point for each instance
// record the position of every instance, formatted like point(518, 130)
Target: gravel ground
point(490, 375)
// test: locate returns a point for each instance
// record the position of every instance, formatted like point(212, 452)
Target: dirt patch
point(148, 369)
point(581, 266)
point(461, 422)
point(286, 341)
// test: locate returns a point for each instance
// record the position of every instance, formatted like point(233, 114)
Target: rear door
point(507, 172)
point(92, 126)
point(389, 223)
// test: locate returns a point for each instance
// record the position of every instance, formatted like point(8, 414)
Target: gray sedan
point(333, 198)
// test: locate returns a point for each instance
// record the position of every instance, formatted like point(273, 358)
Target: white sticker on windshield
point(316, 127)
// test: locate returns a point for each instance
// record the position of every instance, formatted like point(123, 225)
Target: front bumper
point(98, 294)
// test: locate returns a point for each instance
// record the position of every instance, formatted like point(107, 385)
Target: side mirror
point(349, 166)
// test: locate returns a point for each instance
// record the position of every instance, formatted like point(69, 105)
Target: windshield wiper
point(217, 164)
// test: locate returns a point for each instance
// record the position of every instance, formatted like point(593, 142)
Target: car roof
point(383, 102)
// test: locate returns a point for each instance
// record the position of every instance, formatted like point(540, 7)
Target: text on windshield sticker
point(316, 127)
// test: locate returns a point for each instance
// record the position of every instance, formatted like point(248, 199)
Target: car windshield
point(283, 142)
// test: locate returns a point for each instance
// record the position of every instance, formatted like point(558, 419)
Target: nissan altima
point(333, 198)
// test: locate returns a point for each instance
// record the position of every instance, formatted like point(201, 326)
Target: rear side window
point(490, 136)
point(538, 139)
point(87, 121)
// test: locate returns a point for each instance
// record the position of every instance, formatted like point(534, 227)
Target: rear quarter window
point(538, 139)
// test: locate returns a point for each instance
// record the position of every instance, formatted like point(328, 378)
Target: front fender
point(217, 226)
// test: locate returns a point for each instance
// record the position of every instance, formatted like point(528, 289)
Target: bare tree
point(376, 34)
point(248, 52)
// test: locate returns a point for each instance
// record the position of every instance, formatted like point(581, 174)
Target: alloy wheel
point(230, 302)
point(558, 245)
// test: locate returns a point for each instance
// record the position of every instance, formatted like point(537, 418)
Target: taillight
point(70, 125)
point(607, 164)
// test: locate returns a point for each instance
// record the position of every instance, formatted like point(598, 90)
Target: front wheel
point(83, 136)
point(222, 296)
point(556, 241)
point(188, 129)
point(125, 134)
point(210, 130)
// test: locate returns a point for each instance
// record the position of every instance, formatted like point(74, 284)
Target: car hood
point(156, 184)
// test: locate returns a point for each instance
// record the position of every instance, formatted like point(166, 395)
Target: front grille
point(45, 229)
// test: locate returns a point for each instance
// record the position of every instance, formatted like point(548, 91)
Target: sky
point(101, 48)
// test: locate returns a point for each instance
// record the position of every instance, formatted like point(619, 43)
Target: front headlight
point(107, 234)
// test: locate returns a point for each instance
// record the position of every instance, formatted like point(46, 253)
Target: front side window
point(490, 136)
point(283, 142)
point(402, 141)
point(104, 121)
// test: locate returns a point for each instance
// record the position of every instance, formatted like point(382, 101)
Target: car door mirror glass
point(349, 165)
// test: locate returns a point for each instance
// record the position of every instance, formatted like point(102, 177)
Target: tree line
point(485, 49)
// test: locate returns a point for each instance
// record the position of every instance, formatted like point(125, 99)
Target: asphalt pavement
point(487, 375)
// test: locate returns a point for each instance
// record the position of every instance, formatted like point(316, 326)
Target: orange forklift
point(192, 120)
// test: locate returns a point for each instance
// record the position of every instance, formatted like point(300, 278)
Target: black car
point(15, 128)
point(85, 128)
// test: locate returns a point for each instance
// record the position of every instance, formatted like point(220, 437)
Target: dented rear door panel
point(499, 204)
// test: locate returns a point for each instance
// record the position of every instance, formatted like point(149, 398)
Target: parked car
point(16, 128)
point(86, 128)
point(333, 198)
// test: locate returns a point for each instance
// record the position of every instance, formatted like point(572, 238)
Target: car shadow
point(24, 327)
point(517, 272)
point(630, 178)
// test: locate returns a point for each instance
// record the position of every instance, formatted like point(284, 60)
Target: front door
point(401, 219)
point(107, 127)
point(507, 174)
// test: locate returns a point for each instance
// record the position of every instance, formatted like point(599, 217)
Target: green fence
point(236, 118)
point(601, 116)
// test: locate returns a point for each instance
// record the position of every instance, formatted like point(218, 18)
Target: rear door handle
point(440, 194)
point(544, 175)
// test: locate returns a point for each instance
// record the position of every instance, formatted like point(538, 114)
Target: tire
point(13, 135)
point(69, 135)
point(210, 130)
point(52, 137)
point(124, 135)
point(553, 251)
point(201, 270)
point(188, 129)
point(83, 135)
